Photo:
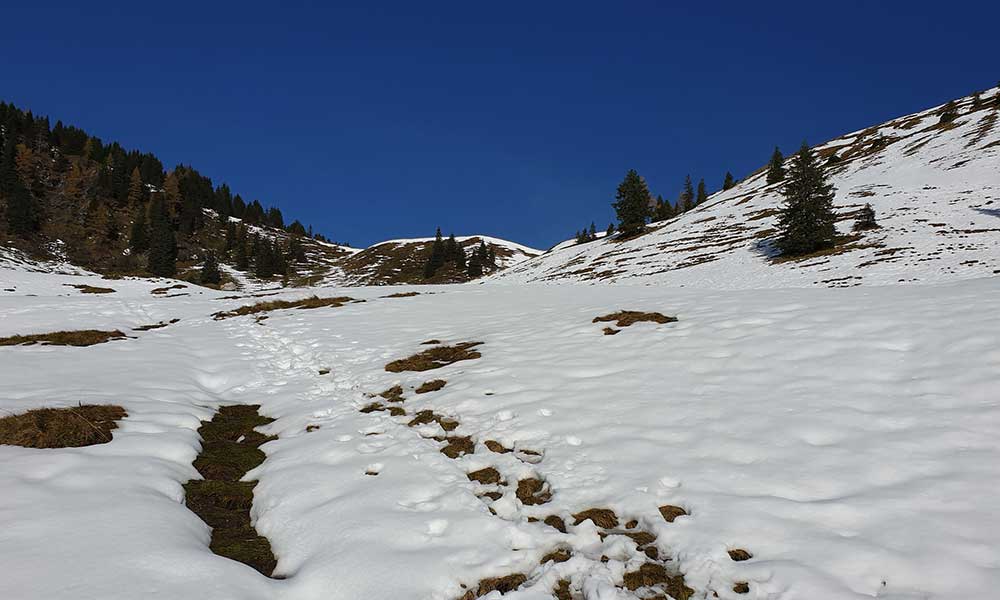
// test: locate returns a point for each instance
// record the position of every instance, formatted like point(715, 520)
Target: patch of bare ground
point(434, 358)
point(561, 591)
point(611, 331)
point(842, 244)
point(556, 522)
point(741, 587)
point(507, 583)
point(90, 289)
point(558, 555)
point(395, 411)
point(425, 417)
point(230, 448)
point(487, 476)
point(393, 394)
point(165, 290)
point(159, 325)
point(430, 342)
point(739, 554)
point(457, 446)
point(431, 386)
point(72, 427)
point(655, 575)
point(624, 318)
point(495, 446)
point(670, 512)
point(402, 295)
point(268, 306)
point(602, 517)
point(533, 491)
point(83, 337)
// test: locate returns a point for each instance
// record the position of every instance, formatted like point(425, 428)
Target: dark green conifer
point(162, 242)
point(807, 221)
point(728, 182)
point(702, 193)
point(632, 203)
point(138, 240)
point(210, 269)
point(776, 167)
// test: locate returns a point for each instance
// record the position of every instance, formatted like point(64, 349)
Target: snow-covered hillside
point(935, 188)
point(848, 440)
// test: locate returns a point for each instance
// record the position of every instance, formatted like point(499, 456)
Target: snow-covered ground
point(848, 438)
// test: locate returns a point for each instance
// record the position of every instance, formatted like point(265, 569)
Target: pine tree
point(702, 193)
point(686, 200)
point(22, 215)
point(593, 231)
point(475, 268)
point(136, 189)
point(437, 256)
point(138, 240)
point(491, 257)
point(728, 182)
point(776, 168)
point(162, 242)
point(632, 203)
point(807, 221)
point(611, 230)
point(242, 256)
point(210, 269)
point(866, 219)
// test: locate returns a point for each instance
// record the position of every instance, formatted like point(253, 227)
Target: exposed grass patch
point(393, 394)
point(71, 427)
point(653, 574)
point(507, 583)
point(90, 289)
point(671, 512)
point(431, 386)
point(83, 337)
point(495, 446)
point(558, 555)
point(402, 295)
point(164, 290)
point(458, 446)
point(624, 318)
point(487, 476)
point(739, 555)
point(434, 358)
point(159, 325)
point(395, 411)
point(268, 306)
point(555, 522)
point(741, 587)
point(533, 491)
point(602, 517)
point(230, 448)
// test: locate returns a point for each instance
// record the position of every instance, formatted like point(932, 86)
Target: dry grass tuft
point(90, 289)
point(163, 290)
point(393, 394)
point(435, 358)
point(487, 476)
point(268, 306)
point(533, 491)
point(159, 325)
point(625, 318)
point(671, 512)
point(558, 555)
point(402, 295)
point(495, 446)
point(741, 587)
point(430, 342)
point(602, 517)
point(653, 574)
point(458, 446)
point(431, 386)
point(555, 522)
point(739, 555)
point(561, 591)
point(611, 331)
point(507, 583)
point(83, 337)
point(73, 427)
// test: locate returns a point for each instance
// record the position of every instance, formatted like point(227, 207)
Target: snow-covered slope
point(935, 188)
point(848, 439)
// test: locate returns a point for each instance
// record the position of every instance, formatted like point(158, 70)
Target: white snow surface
point(848, 438)
point(935, 190)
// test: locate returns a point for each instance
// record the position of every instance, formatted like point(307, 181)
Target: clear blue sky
point(374, 120)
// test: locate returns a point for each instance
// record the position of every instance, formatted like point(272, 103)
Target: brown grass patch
point(555, 522)
point(611, 331)
point(561, 591)
point(430, 342)
point(435, 358)
point(83, 337)
point(431, 386)
point(426, 417)
point(159, 325)
point(625, 318)
point(507, 583)
point(163, 290)
point(487, 476)
point(671, 512)
point(739, 555)
point(653, 574)
point(458, 446)
point(393, 394)
point(558, 555)
point(741, 587)
point(72, 427)
point(402, 295)
point(230, 448)
point(495, 446)
point(602, 517)
point(268, 306)
point(90, 289)
point(533, 491)
point(394, 411)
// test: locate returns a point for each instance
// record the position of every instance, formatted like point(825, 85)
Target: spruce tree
point(22, 214)
point(593, 231)
point(162, 242)
point(686, 200)
point(475, 268)
point(807, 221)
point(136, 189)
point(776, 167)
point(242, 256)
point(611, 230)
point(632, 203)
point(728, 182)
point(702, 193)
point(866, 219)
point(210, 269)
point(138, 240)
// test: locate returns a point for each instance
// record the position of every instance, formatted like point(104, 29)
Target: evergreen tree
point(702, 193)
point(460, 262)
point(22, 214)
point(436, 258)
point(451, 249)
point(728, 182)
point(139, 238)
point(592, 234)
point(491, 257)
point(136, 189)
point(162, 242)
point(210, 269)
point(632, 203)
point(866, 219)
point(242, 256)
point(475, 268)
point(686, 200)
point(611, 230)
point(776, 167)
point(807, 220)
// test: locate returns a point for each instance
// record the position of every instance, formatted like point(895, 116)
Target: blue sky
point(381, 120)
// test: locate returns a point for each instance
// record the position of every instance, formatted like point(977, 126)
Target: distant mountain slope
point(934, 184)
point(402, 261)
